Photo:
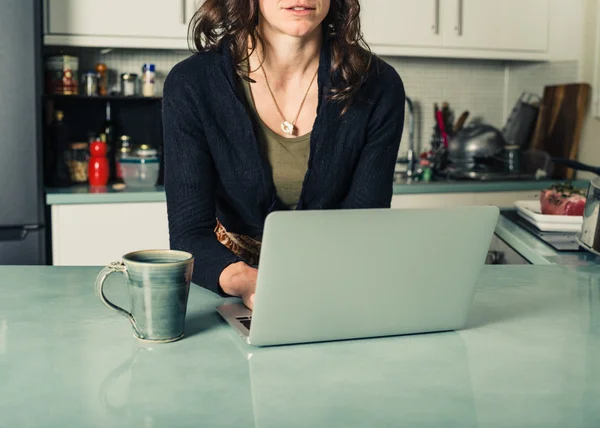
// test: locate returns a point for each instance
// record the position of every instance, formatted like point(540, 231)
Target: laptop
point(350, 274)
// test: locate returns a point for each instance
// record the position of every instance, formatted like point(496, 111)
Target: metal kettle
point(474, 143)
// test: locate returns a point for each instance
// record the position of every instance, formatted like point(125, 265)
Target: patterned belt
point(243, 246)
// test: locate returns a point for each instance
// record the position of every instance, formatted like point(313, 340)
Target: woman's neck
point(286, 56)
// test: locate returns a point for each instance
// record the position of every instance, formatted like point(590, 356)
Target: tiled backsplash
point(532, 77)
point(474, 85)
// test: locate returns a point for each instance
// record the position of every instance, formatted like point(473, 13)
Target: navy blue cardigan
point(214, 168)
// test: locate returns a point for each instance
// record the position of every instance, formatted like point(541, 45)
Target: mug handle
point(111, 268)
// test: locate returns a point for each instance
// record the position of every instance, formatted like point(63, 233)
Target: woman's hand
point(239, 279)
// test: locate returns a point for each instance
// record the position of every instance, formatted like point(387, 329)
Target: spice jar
point(129, 82)
point(90, 84)
point(77, 159)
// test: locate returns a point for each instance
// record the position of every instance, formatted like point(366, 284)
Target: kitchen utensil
point(575, 165)
point(460, 123)
point(560, 123)
point(159, 285)
point(442, 126)
point(521, 122)
point(590, 230)
point(589, 237)
point(98, 167)
point(475, 142)
point(532, 212)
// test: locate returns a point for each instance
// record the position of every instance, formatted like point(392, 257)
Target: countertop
point(530, 357)
point(537, 252)
point(105, 195)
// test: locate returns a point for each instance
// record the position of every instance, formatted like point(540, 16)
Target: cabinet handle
point(183, 14)
point(459, 25)
point(436, 18)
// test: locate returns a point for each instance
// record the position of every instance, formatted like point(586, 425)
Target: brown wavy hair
point(237, 20)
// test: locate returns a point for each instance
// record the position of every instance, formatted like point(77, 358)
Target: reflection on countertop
point(103, 195)
point(530, 356)
point(467, 186)
point(108, 194)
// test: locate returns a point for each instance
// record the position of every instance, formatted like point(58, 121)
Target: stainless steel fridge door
point(22, 246)
point(21, 183)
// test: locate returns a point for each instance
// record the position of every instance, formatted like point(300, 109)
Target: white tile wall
point(471, 85)
point(474, 85)
point(532, 77)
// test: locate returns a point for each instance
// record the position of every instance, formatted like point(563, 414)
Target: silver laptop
point(334, 275)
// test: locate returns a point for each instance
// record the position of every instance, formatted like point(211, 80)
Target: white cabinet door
point(121, 18)
point(402, 22)
point(510, 25)
point(97, 234)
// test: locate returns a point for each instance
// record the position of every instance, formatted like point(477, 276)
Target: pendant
point(287, 127)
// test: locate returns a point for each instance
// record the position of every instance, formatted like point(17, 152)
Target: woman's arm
point(190, 183)
point(372, 181)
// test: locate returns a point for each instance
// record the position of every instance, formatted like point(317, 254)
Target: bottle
point(102, 71)
point(148, 78)
point(108, 134)
point(98, 169)
point(124, 151)
point(57, 155)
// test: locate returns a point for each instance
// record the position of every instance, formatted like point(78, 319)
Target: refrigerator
point(22, 208)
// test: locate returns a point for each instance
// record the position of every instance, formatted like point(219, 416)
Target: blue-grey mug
point(159, 285)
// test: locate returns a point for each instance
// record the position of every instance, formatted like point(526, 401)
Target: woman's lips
point(300, 10)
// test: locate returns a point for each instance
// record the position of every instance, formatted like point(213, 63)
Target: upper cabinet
point(507, 29)
point(402, 22)
point(492, 29)
point(119, 23)
point(512, 25)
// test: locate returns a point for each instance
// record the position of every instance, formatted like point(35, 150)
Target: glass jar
point(129, 84)
point(77, 158)
point(90, 84)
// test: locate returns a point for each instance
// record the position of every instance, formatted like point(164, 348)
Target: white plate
point(532, 212)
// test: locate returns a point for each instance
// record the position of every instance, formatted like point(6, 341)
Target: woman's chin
point(300, 29)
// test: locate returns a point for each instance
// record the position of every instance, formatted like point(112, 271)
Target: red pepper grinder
point(98, 169)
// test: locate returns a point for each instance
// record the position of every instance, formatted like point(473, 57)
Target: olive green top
point(288, 157)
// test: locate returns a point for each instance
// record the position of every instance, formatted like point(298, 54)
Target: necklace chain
point(286, 126)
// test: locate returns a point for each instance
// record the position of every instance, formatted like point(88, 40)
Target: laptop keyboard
point(245, 321)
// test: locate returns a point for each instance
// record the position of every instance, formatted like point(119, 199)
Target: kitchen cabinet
point(509, 29)
point(117, 23)
point(515, 25)
point(402, 22)
point(97, 234)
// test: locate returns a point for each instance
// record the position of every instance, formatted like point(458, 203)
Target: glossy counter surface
point(530, 358)
point(104, 195)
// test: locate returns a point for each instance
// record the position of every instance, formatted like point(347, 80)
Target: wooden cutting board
point(560, 123)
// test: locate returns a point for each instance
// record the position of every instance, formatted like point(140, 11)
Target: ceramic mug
point(159, 285)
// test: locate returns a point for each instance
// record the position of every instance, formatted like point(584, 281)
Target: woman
point(283, 107)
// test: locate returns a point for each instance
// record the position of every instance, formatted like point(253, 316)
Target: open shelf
point(101, 98)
